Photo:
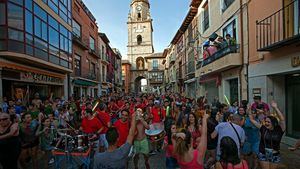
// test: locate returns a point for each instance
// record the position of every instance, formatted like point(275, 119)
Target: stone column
point(80, 91)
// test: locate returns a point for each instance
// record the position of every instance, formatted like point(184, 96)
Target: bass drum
point(156, 132)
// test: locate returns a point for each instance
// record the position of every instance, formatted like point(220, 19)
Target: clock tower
point(140, 41)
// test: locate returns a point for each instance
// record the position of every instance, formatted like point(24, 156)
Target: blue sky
point(111, 16)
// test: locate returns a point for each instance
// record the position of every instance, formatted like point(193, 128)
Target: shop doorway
point(293, 106)
point(234, 90)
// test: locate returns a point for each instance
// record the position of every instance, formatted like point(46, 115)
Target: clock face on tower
point(138, 8)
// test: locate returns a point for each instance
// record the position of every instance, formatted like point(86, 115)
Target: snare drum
point(156, 132)
point(80, 142)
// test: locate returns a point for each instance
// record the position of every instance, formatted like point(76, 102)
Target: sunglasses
point(4, 119)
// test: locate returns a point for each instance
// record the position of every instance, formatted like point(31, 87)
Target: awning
point(84, 83)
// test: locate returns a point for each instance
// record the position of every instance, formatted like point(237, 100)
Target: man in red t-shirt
point(158, 113)
point(90, 124)
point(104, 118)
point(122, 126)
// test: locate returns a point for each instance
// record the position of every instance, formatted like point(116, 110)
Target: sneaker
point(51, 161)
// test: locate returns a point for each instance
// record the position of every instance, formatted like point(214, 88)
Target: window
point(28, 5)
point(226, 4)
point(139, 39)
point(15, 35)
point(40, 12)
point(40, 29)
point(102, 53)
point(139, 15)
point(53, 5)
point(76, 29)
point(92, 43)
point(52, 22)
point(205, 18)
point(28, 22)
point(77, 65)
point(155, 64)
point(3, 14)
point(19, 2)
point(230, 29)
point(53, 37)
point(15, 16)
point(92, 68)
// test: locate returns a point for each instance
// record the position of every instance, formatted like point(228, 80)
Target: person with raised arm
point(271, 133)
point(116, 157)
point(189, 158)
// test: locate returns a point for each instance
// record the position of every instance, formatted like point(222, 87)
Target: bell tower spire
point(140, 41)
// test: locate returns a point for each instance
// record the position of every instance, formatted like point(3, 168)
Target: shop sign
point(40, 78)
point(256, 91)
point(296, 61)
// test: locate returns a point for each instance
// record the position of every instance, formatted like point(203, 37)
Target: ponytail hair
point(183, 145)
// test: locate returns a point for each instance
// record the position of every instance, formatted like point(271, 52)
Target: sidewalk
point(290, 159)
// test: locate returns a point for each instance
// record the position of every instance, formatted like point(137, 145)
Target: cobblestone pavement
point(290, 160)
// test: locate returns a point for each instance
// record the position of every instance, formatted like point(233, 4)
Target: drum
point(81, 142)
point(156, 132)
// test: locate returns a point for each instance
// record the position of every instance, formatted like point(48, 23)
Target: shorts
point(171, 163)
point(275, 159)
point(249, 148)
point(141, 146)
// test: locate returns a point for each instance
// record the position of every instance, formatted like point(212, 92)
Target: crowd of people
point(196, 134)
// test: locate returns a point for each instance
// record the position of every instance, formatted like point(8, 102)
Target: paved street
point(290, 160)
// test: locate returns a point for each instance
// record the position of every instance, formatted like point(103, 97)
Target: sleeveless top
point(244, 165)
point(8, 144)
point(192, 164)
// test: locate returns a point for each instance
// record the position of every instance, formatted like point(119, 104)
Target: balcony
point(172, 59)
point(81, 41)
point(223, 59)
point(91, 76)
point(94, 53)
point(280, 29)
point(104, 59)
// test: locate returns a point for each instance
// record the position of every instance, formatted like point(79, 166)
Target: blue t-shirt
point(18, 109)
point(251, 131)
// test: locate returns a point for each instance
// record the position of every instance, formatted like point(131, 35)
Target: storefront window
point(15, 16)
point(3, 14)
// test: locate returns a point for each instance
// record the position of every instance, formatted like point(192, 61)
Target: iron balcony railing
point(279, 29)
point(80, 39)
point(221, 53)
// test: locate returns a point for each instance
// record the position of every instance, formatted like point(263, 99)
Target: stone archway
point(138, 88)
